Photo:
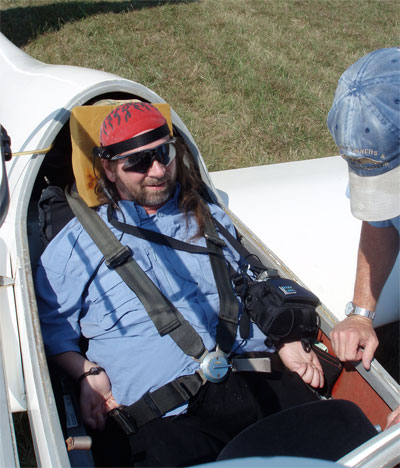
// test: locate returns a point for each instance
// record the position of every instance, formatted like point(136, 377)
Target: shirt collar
point(136, 214)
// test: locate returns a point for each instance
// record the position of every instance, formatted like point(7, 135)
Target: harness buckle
point(248, 364)
point(124, 419)
point(215, 366)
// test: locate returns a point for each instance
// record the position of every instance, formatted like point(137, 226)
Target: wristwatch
point(352, 309)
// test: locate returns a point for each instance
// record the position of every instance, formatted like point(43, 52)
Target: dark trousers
point(215, 416)
point(324, 429)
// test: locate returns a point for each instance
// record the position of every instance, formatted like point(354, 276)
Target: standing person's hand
point(354, 339)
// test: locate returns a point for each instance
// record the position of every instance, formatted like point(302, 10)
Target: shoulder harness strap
point(229, 305)
point(165, 316)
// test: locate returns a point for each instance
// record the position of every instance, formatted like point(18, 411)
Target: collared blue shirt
point(78, 295)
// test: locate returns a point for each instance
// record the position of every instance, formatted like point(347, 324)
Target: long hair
point(193, 191)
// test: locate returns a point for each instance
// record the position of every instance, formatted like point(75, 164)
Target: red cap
point(128, 120)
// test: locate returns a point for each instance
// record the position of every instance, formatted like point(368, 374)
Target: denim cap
point(365, 123)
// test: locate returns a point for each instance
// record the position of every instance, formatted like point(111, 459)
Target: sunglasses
point(141, 161)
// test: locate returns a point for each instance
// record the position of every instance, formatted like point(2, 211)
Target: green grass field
point(252, 80)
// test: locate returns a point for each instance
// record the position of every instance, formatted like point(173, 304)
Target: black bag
point(54, 213)
point(283, 310)
point(332, 368)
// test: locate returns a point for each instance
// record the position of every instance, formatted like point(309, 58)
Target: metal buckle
point(215, 366)
point(256, 364)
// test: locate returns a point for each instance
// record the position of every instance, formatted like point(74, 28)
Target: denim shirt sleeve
point(62, 275)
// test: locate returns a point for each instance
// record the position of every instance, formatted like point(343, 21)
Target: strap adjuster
point(119, 257)
point(147, 398)
point(215, 240)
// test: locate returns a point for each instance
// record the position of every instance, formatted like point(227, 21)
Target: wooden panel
point(353, 387)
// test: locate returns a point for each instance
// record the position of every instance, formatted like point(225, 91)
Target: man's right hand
point(96, 400)
point(354, 339)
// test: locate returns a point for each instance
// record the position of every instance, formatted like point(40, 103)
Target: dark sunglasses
point(141, 161)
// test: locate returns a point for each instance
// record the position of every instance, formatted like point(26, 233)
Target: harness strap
point(158, 238)
point(252, 259)
point(229, 305)
point(155, 404)
point(165, 316)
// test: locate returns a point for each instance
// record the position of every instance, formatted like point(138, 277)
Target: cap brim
point(375, 198)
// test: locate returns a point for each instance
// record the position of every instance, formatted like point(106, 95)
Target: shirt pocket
point(112, 305)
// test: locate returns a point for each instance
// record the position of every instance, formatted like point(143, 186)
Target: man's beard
point(144, 196)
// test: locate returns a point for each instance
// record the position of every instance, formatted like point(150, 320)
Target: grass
point(23, 436)
point(253, 80)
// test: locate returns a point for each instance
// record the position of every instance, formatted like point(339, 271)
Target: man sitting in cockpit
point(140, 388)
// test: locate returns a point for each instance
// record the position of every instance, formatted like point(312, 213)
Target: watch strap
point(356, 310)
point(93, 371)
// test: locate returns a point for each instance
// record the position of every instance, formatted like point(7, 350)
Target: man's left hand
point(305, 364)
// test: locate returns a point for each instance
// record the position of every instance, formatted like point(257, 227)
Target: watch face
point(349, 308)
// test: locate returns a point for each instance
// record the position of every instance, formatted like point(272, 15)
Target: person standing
point(364, 121)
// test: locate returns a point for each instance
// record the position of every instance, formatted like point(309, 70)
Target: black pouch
point(332, 368)
point(283, 310)
point(54, 213)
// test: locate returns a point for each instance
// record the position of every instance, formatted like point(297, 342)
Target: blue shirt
point(394, 222)
point(79, 295)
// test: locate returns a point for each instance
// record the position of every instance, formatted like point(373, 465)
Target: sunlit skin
point(354, 338)
point(151, 189)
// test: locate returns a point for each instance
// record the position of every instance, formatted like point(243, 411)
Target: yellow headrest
point(85, 125)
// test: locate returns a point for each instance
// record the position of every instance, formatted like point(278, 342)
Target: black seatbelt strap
point(229, 305)
point(164, 315)
point(155, 404)
point(158, 238)
point(250, 258)
point(166, 318)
